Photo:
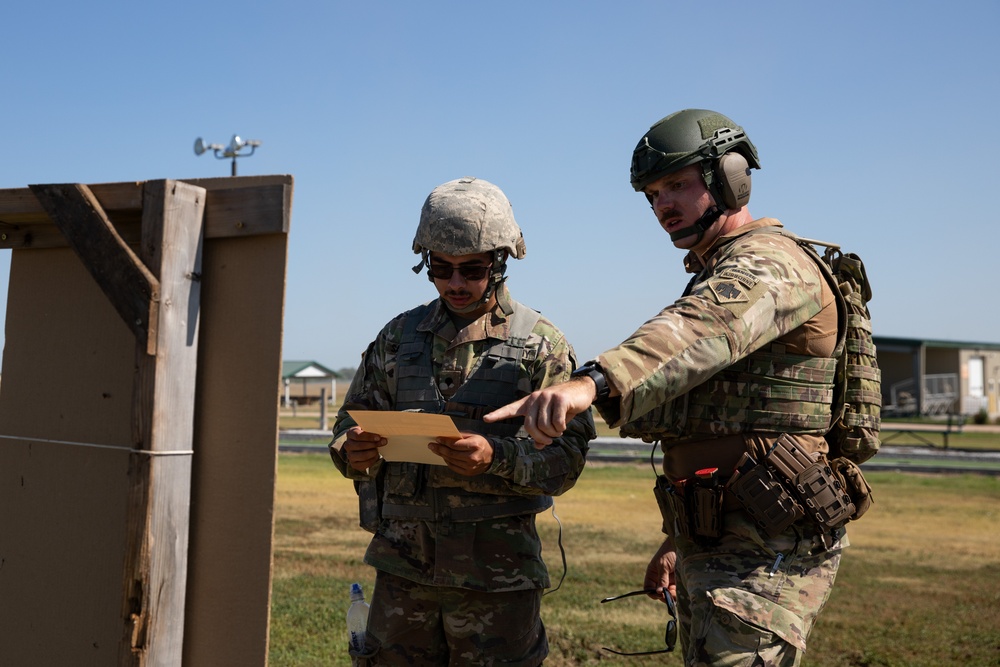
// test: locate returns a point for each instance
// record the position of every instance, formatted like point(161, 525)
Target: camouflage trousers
point(415, 624)
point(751, 600)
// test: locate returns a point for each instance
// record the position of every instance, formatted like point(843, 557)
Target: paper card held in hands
point(407, 432)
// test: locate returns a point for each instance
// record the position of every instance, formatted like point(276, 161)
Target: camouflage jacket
point(752, 291)
point(500, 554)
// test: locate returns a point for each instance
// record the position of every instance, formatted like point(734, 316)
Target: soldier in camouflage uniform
point(459, 568)
point(742, 360)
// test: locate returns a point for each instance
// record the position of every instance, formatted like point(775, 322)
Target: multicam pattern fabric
point(751, 600)
point(757, 288)
point(764, 392)
point(856, 432)
point(499, 554)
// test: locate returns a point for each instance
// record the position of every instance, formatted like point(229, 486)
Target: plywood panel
point(64, 416)
point(61, 546)
point(236, 433)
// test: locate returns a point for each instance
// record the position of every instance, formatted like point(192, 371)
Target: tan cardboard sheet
point(407, 432)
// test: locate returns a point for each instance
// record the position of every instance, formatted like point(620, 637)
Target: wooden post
point(322, 408)
point(156, 557)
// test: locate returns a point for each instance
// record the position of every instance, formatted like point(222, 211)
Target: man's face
point(678, 199)
point(461, 293)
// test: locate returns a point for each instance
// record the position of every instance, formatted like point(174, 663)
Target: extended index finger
point(506, 412)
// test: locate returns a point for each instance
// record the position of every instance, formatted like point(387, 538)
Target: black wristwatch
point(592, 370)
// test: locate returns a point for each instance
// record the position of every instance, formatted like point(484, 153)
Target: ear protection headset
point(734, 179)
point(728, 180)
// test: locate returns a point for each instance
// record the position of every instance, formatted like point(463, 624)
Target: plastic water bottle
point(357, 619)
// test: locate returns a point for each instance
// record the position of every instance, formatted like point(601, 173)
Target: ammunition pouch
point(764, 497)
point(692, 510)
point(663, 493)
point(370, 500)
point(791, 484)
point(788, 486)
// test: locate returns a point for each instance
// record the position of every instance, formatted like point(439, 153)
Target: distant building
point(304, 382)
point(935, 377)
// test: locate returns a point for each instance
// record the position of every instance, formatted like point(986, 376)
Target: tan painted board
point(235, 466)
point(65, 410)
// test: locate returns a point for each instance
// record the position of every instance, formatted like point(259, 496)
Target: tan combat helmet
point(468, 216)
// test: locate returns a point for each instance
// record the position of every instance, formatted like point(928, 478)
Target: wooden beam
point(158, 512)
point(121, 275)
point(240, 206)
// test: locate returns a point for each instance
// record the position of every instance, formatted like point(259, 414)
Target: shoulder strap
point(525, 319)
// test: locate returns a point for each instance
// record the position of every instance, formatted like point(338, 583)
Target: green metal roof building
point(304, 382)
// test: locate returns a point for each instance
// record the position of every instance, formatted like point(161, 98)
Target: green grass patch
point(972, 440)
point(919, 585)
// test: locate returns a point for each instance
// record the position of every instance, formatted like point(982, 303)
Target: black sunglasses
point(669, 637)
point(468, 271)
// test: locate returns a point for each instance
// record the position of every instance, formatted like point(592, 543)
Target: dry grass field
point(920, 584)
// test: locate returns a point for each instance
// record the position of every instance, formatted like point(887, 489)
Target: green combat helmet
point(698, 136)
point(468, 216)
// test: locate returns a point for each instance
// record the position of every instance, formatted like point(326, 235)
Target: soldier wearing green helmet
point(718, 147)
point(738, 382)
point(459, 573)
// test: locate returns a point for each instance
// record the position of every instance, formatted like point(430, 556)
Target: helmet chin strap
point(700, 226)
point(497, 276)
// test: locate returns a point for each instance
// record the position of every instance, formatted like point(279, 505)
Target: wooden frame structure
point(135, 528)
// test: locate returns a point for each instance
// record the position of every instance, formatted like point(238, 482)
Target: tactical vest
point(768, 391)
point(433, 492)
point(857, 405)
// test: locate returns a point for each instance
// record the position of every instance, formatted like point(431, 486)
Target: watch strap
point(592, 370)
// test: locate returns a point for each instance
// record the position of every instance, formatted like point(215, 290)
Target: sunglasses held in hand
point(669, 637)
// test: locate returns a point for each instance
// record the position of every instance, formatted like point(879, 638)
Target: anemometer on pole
point(231, 151)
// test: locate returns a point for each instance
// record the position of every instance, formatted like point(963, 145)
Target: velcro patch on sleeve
point(736, 290)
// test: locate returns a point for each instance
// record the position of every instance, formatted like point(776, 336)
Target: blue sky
point(876, 124)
